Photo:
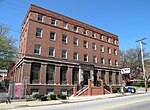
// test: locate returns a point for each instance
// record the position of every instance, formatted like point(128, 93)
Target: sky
point(129, 19)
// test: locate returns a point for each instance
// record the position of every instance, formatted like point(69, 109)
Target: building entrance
point(86, 76)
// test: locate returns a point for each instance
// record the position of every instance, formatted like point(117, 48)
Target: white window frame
point(93, 34)
point(102, 60)
point(75, 40)
point(109, 62)
point(115, 52)
point(108, 39)
point(65, 26)
point(39, 32)
point(54, 23)
point(54, 36)
point(114, 41)
point(40, 15)
point(66, 38)
point(53, 52)
point(109, 50)
point(102, 48)
point(101, 37)
point(63, 50)
point(85, 44)
point(93, 46)
point(39, 49)
point(76, 55)
point(75, 30)
point(94, 59)
point(85, 31)
point(116, 63)
point(85, 55)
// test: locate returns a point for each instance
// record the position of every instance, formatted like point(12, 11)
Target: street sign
point(125, 71)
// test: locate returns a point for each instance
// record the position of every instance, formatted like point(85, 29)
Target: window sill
point(39, 37)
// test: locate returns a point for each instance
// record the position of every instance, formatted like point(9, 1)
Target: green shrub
point(53, 97)
point(44, 98)
point(63, 97)
point(59, 96)
point(38, 96)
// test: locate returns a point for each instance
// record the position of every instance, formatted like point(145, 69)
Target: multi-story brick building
point(57, 52)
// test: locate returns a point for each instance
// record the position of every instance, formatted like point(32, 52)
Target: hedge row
point(139, 84)
point(43, 97)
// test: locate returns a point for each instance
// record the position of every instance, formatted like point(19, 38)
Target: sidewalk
point(15, 104)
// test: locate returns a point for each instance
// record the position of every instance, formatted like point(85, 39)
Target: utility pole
point(141, 46)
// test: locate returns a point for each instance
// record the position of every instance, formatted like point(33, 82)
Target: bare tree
point(132, 58)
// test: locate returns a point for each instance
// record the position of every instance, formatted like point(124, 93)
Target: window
point(103, 75)
point(75, 41)
point(50, 74)
point(52, 36)
point(116, 63)
point(75, 76)
point(117, 77)
point(93, 46)
point(75, 29)
point(64, 91)
point(84, 31)
point(109, 62)
point(102, 61)
point(94, 59)
point(85, 44)
point(102, 48)
point(64, 54)
point(34, 91)
point(64, 38)
point(110, 77)
point(75, 55)
point(51, 52)
point(93, 34)
point(40, 17)
point(63, 75)
point(114, 41)
point(109, 50)
point(38, 32)
point(65, 25)
point(108, 39)
point(85, 57)
point(49, 91)
point(35, 71)
point(115, 52)
point(53, 21)
point(101, 37)
point(37, 49)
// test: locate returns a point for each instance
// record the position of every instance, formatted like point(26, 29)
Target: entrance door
point(86, 76)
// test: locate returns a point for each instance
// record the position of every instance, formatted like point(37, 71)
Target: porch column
point(80, 75)
point(107, 77)
point(92, 77)
point(69, 75)
point(98, 75)
point(26, 71)
point(43, 73)
point(57, 74)
point(114, 78)
point(120, 79)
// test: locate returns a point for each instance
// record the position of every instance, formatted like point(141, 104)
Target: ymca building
point(57, 52)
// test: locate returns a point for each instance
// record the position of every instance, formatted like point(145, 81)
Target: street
point(134, 102)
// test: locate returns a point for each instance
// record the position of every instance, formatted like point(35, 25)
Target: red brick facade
point(59, 64)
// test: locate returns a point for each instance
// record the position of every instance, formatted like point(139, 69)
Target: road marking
point(122, 104)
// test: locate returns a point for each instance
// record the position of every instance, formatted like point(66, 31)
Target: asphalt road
point(134, 102)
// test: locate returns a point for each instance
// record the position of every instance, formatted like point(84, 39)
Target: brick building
point(57, 52)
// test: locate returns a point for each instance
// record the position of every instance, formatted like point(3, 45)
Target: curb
point(69, 101)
